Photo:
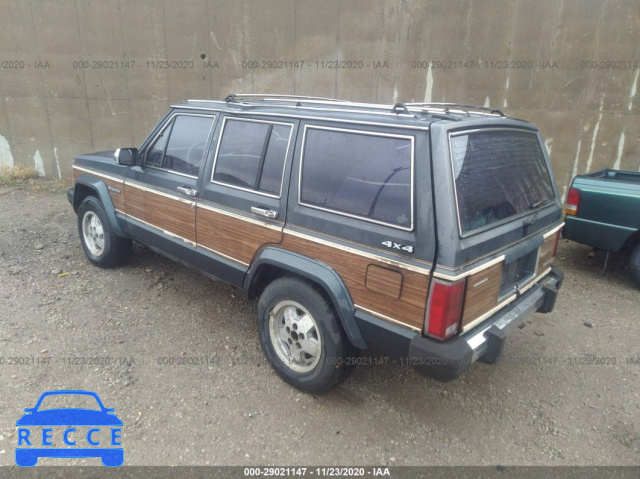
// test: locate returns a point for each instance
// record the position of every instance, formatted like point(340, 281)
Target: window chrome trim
point(166, 170)
point(284, 163)
point(351, 215)
point(510, 218)
point(169, 122)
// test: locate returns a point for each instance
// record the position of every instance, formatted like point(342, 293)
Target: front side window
point(359, 174)
point(252, 154)
point(180, 147)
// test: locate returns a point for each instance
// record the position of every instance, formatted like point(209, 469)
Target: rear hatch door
point(497, 209)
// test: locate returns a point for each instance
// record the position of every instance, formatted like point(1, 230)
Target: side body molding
point(316, 272)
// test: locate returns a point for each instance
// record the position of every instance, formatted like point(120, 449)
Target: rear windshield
point(499, 174)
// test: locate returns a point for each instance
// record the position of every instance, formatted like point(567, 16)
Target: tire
point(301, 336)
point(101, 245)
point(635, 264)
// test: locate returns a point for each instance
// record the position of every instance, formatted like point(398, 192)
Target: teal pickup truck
point(603, 210)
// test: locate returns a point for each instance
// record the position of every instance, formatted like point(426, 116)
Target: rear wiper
point(533, 206)
point(536, 204)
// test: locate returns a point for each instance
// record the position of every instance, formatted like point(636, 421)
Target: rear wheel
point(302, 337)
point(101, 245)
point(635, 264)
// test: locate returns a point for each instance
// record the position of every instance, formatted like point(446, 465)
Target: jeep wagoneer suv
point(419, 231)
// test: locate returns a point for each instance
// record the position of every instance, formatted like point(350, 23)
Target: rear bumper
point(70, 195)
point(446, 360)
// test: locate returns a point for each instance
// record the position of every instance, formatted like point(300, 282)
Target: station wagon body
point(419, 231)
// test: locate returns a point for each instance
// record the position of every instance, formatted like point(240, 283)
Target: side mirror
point(126, 156)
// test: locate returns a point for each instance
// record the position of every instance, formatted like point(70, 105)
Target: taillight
point(555, 245)
point(573, 202)
point(445, 309)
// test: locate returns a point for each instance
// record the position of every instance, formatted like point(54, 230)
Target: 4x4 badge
point(392, 245)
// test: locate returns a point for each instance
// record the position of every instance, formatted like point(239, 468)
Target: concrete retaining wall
point(80, 76)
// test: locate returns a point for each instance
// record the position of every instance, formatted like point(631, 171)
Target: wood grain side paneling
point(482, 293)
point(115, 188)
point(233, 237)
point(116, 193)
point(409, 308)
point(545, 256)
point(384, 281)
point(172, 215)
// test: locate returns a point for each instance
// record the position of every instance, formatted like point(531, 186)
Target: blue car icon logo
point(85, 431)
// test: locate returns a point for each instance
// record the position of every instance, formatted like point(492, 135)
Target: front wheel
point(302, 337)
point(635, 264)
point(101, 245)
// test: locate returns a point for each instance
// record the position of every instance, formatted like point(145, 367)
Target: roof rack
point(408, 109)
point(266, 96)
point(462, 107)
point(313, 102)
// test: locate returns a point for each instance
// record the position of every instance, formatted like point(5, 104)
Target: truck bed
point(615, 175)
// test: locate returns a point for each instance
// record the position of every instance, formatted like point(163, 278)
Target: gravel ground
point(544, 403)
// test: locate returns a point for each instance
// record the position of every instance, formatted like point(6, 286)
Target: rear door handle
point(264, 212)
point(188, 191)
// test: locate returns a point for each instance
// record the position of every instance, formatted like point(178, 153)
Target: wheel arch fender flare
point(101, 191)
point(316, 272)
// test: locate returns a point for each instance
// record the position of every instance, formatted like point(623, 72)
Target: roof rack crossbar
point(238, 96)
point(312, 100)
point(410, 109)
point(446, 106)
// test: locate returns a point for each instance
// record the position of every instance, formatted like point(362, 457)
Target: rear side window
point(181, 144)
point(359, 174)
point(252, 154)
point(498, 174)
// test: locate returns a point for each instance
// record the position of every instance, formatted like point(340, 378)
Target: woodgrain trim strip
point(478, 320)
point(545, 253)
point(168, 233)
point(232, 236)
point(209, 207)
point(340, 241)
point(114, 186)
point(481, 293)
point(135, 184)
point(223, 255)
point(98, 173)
point(358, 252)
point(352, 268)
point(473, 271)
point(165, 212)
point(506, 301)
point(387, 318)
